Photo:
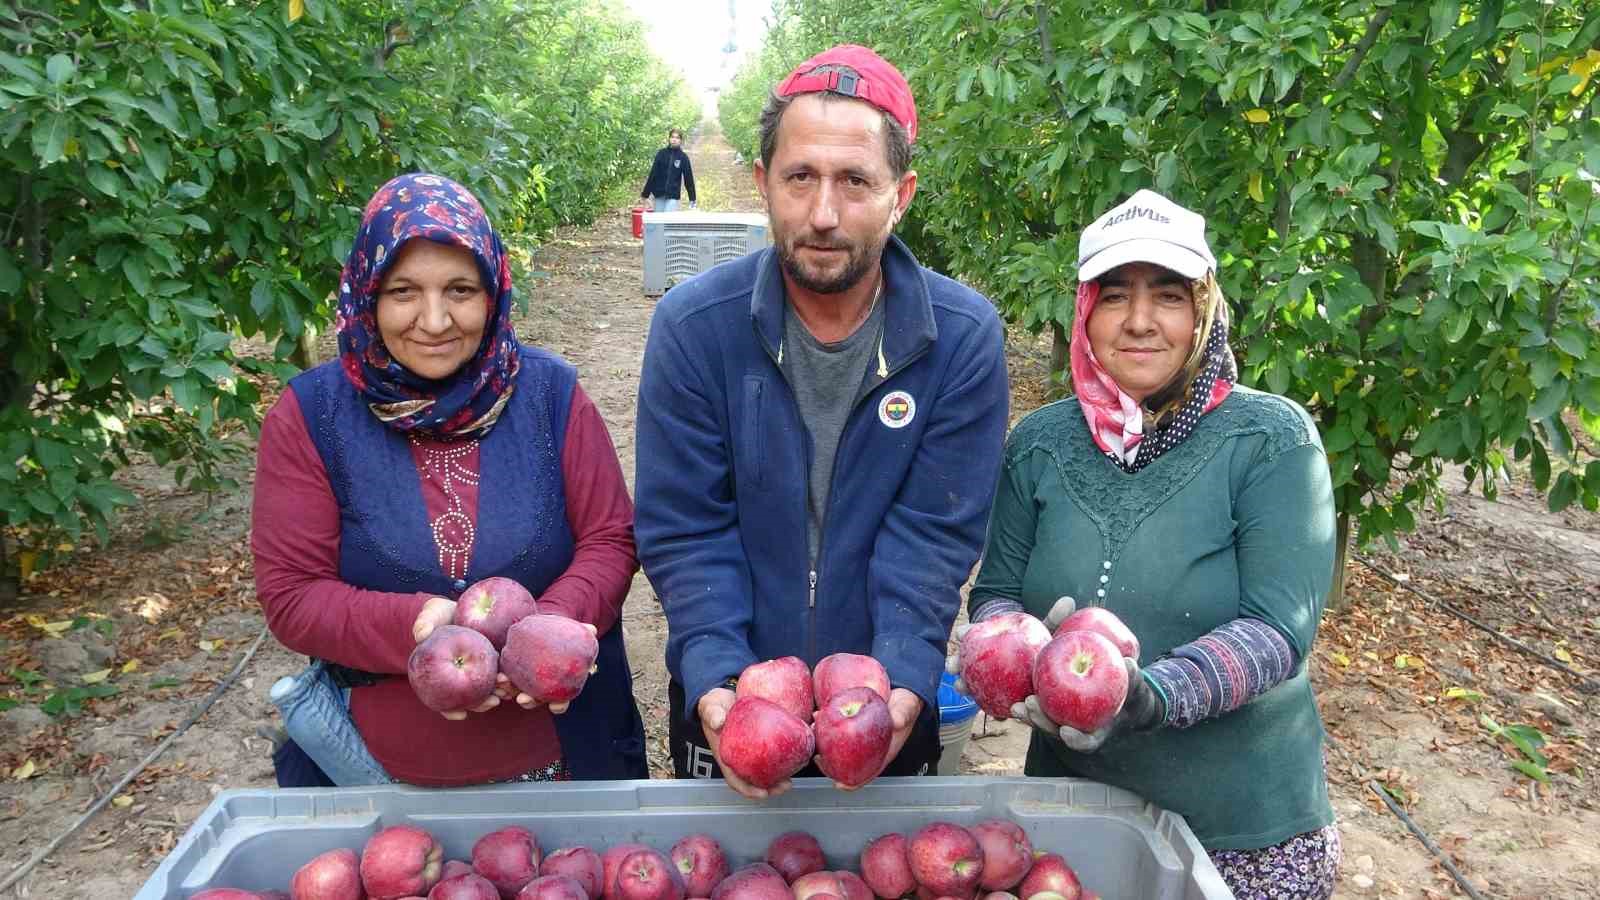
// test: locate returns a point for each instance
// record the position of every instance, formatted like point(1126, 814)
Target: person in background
point(670, 175)
point(1201, 513)
point(819, 426)
point(435, 451)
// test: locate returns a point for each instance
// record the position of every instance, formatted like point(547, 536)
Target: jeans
point(316, 714)
point(664, 204)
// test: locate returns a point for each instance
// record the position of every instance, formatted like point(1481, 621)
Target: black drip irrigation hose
point(194, 716)
point(1422, 836)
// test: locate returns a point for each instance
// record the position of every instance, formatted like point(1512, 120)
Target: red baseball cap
point(876, 81)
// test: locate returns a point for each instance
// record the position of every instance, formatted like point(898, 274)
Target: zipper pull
point(811, 595)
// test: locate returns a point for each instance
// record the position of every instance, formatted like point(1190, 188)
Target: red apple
point(1050, 874)
point(997, 660)
point(848, 670)
point(853, 730)
point(757, 881)
point(795, 853)
point(1007, 853)
point(554, 887)
point(492, 606)
point(453, 668)
point(886, 867)
point(549, 658)
point(610, 861)
point(401, 861)
point(509, 858)
point(841, 885)
point(454, 867)
point(927, 894)
point(1105, 623)
point(701, 862)
point(946, 859)
point(470, 886)
point(1000, 895)
point(785, 681)
point(1080, 680)
point(578, 863)
point(335, 875)
point(763, 744)
point(648, 875)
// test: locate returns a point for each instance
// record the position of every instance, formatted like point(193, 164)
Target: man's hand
point(1141, 709)
point(437, 611)
point(713, 711)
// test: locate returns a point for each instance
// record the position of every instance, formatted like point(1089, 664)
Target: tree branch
point(1047, 51)
point(1374, 26)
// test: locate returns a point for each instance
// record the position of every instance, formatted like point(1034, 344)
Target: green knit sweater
point(1235, 521)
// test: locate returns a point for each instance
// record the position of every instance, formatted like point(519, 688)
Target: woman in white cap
point(1200, 512)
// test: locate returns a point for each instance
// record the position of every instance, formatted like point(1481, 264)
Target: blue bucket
point(956, 712)
point(954, 706)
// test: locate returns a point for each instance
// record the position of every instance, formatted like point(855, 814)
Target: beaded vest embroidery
point(453, 531)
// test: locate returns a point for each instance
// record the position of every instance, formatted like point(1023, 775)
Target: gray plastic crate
point(681, 245)
point(1121, 846)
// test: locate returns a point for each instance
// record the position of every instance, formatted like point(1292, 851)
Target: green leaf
point(1565, 491)
point(158, 156)
point(198, 307)
point(105, 180)
point(59, 68)
point(10, 277)
point(261, 297)
point(216, 370)
point(1550, 400)
point(1339, 439)
point(50, 137)
point(1354, 122)
point(138, 273)
point(1572, 341)
point(1535, 772)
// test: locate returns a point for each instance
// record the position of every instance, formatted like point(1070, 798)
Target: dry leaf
point(97, 677)
point(1340, 658)
point(1562, 654)
point(24, 771)
point(208, 646)
point(131, 665)
point(51, 628)
point(122, 800)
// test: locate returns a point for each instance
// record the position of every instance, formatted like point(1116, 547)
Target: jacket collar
point(908, 325)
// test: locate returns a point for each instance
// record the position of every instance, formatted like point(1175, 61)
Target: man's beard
point(859, 260)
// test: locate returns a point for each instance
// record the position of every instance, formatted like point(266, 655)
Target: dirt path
point(168, 608)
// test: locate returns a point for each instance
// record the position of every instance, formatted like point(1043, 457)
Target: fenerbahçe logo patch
point(897, 409)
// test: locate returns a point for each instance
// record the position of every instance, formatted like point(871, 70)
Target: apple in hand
point(492, 606)
point(785, 681)
point(886, 867)
point(946, 859)
point(848, 670)
point(1080, 680)
point(400, 861)
point(549, 658)
point(1105, 623)
point(757, 881)
point(795, 853)
point(702, 863)
point(580, 864)
point(648, 875)
point(453, 668)
point(763, 744)
point(335, 875)
point(853, 730)
point(1007, 853)
point(997, 658)
point(1050, 874)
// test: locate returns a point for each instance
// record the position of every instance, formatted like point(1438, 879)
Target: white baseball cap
point(1146, 227)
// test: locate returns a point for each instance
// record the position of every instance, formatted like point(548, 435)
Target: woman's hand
point(1063, 607)
point(437, 611)
point(1142, 709)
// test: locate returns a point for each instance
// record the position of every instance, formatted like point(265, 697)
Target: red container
point(638, 221)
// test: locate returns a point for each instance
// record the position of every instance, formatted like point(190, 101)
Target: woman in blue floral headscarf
point(437, 451)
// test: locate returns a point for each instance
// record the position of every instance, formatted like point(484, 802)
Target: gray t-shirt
point(826, 380)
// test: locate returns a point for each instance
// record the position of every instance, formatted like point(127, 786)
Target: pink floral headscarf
point(1128, 434)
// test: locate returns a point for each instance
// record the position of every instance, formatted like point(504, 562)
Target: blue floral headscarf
point(469, 402)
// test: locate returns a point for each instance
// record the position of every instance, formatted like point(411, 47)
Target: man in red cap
point(820, 428)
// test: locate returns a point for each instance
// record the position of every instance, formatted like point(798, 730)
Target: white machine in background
point(680, 245)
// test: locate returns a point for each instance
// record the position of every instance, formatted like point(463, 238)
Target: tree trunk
point(1337, 601)
point(8, 584)
point(1058, 361)
point(305, 351)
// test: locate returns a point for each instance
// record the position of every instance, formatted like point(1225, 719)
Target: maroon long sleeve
point(295, 539)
